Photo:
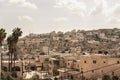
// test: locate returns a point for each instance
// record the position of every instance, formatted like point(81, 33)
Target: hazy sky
point(42, 16)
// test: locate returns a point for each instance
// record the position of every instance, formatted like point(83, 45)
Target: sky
point(43, 16)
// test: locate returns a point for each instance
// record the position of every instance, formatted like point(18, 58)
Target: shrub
point(106, 77)
point(35, 77)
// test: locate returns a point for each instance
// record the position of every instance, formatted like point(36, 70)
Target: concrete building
point(90, 66)
point(66, 66)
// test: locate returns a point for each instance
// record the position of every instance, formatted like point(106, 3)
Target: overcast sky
point(42, 16)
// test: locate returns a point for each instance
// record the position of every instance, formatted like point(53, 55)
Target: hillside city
point(72, 55)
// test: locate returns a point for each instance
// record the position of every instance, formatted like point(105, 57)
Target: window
point(105, 52)
point(99, 52)
point(83, 53)
point(118, 62)
point(92, 71)
point(16, 68)
point(33, 68)
point(94, 61)
point(96, 45)
point(104, 62)
point(71, 76)
point(68, 63)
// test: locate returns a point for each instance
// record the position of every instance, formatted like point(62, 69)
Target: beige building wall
point(92, 66)
point(97, 66)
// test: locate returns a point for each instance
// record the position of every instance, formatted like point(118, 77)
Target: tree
point(19, 78)
point(16, 34)
point(6, 76)
point(55, 78)
point(35, 77)
point(12, 44)
point(115, 78)
point(2, 35)
point(106, 77)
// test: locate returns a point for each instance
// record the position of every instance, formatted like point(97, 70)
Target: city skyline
point(42, 16)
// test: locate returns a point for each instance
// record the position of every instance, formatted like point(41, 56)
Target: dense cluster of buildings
point(67, 66)
point(72, 42)
point(72, 55)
